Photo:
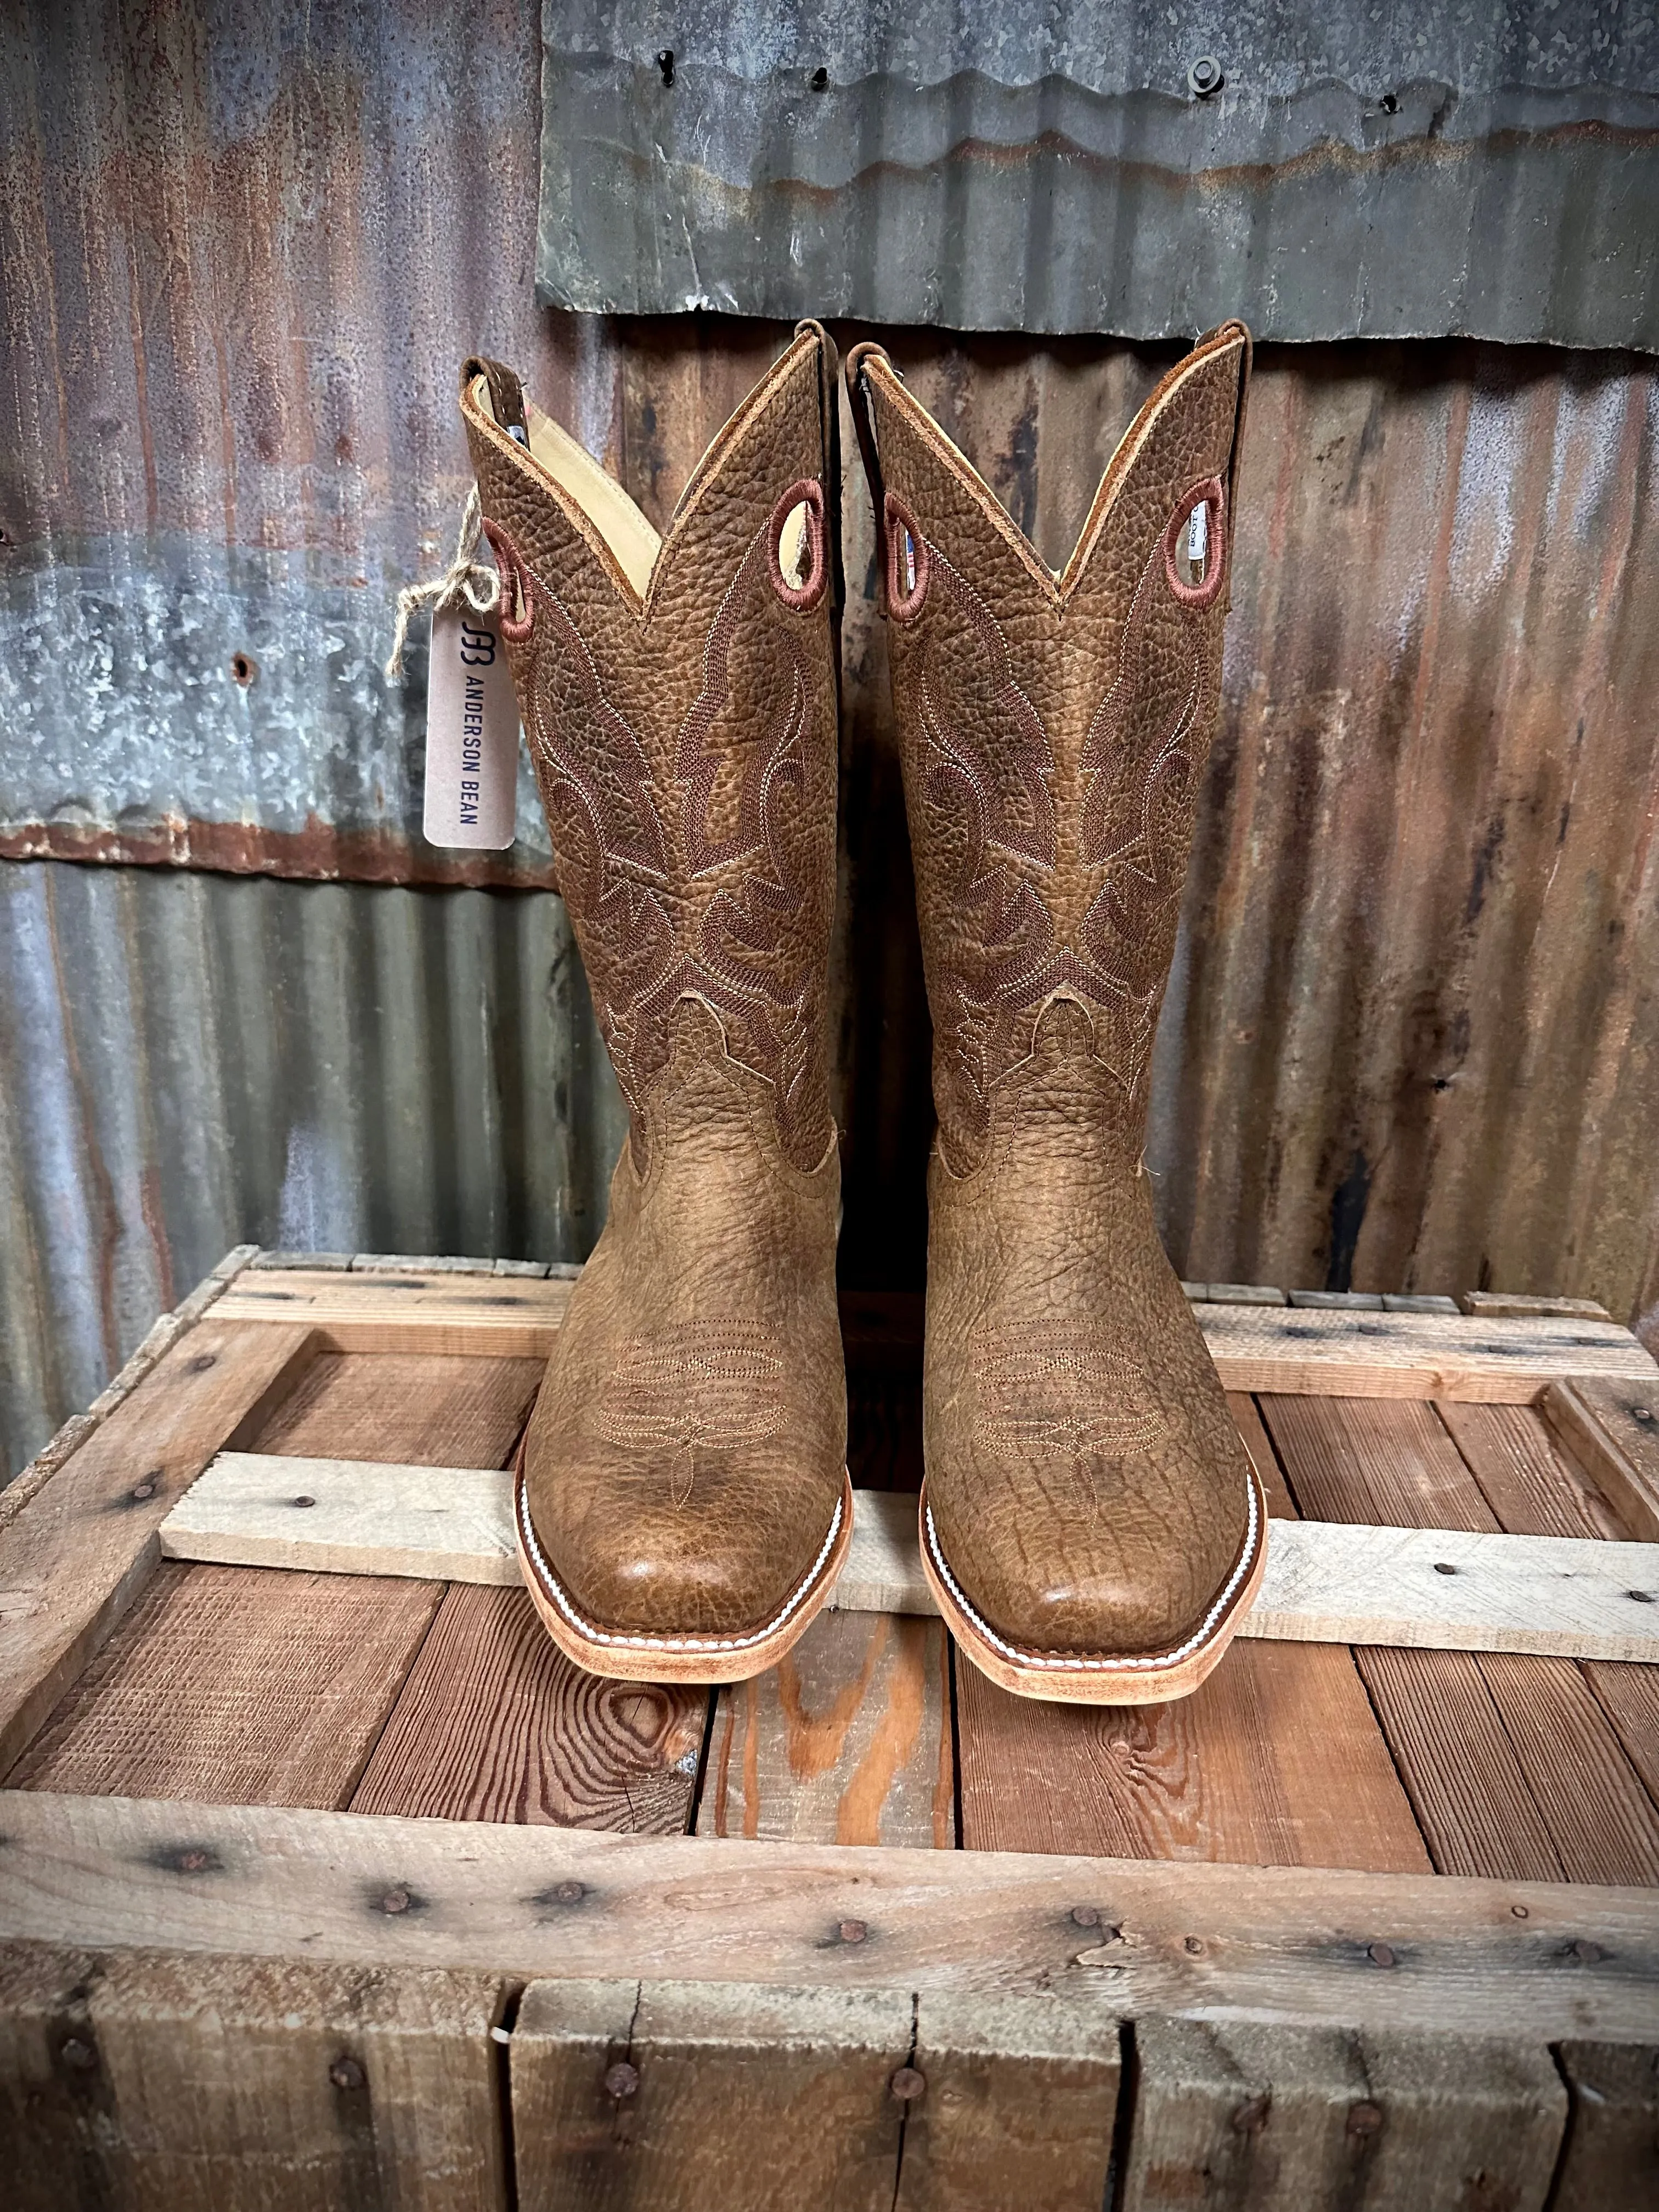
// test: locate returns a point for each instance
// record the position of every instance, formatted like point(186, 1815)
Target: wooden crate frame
point(421, 1944)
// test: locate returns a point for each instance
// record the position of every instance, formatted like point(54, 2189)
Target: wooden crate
point(325, 1879)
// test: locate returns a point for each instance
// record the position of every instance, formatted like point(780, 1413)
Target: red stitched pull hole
point(795, 545)
point(1195, 544)
point(518, 609)
point(907, 568)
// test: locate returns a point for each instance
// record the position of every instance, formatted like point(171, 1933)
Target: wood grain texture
point(744, 2097)
point(1018, 2108)
point(236, 1685)
point(513, 1317)
point(1275, 1760)
point(1242, 2117)
point(847, 1740)
point(1515, 1305)
point(1611, 2162)
point(1533, 1488)
point(1325, 1582)
point(77, 1556)
point(1412, 1355)
point(494, 1724)
point(1264, 1941)
point(136, 2079)
point(429, 1410)
point(1247, 1418)
point(1506, 1758)
point(1612, 1431)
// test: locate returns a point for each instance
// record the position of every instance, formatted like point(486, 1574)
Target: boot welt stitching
point(1143, 1663)
point(586, 1628)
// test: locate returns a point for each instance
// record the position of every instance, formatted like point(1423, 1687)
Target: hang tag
point(472, 735)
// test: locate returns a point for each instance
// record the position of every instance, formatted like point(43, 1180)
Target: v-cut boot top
point(1092, 1522)
point(682, 1503)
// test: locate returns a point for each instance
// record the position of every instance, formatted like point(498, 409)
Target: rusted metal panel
point(243, 251)
point(1488, 167)
point(190, 1059)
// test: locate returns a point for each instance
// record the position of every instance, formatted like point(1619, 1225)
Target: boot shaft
point(1054, 732)
point(679, 698)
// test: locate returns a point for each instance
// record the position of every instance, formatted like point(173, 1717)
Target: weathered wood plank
point(494, 1724)
point(74, 1561)
point(237, 1686)
point(1533, 1488)
point(1612, 2158)
point(1017, 2108)
point(429, 1409)
point(1277, 1760)
point(1490, 1749)
point(1405, 1951)
point(1239, 2115)
point(129, 2078)
point(159, 1340)
point(847, 1740)
point(688, 2096)
point(1325, 1583)
point(1517, 1305)
point(1411, 1355)
point(510, 1317)
point(1611, 1429)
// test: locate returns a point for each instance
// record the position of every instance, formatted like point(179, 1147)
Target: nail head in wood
point(852, 1931)
point(346, 2074)
point(622, 2080)
point(395, 1901)
point(908, 2084)
point(78, 2055)
point(1380, 1954)
point(1085, 1915)
point(1364, 2119)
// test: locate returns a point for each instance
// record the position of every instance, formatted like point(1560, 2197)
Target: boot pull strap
point(1229, 329)
point(829, 431)
point(505, 393)
point(858, 398)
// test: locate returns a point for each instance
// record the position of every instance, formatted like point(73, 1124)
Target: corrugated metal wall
point(1411, 1039)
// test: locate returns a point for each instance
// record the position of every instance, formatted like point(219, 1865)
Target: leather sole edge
point(618, 1656)
point(1104, 1678)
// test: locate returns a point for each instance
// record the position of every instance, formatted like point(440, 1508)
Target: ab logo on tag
point(471, 735)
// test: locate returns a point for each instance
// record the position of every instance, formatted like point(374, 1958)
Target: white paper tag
point(472, 735)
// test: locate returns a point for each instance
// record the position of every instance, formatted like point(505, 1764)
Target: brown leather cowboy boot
point(682, 1503)
point(1090, 1523)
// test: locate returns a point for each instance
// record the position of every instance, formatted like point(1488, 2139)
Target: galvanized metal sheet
point(1488, 166)
point(190, 1059)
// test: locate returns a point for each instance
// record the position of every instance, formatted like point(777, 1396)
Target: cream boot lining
point(601, 497)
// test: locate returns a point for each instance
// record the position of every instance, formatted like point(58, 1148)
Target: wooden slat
point(1247, 1418)
point(510, 1317)
point(1612, 2159)
point(77, 1556)
point(1533, 1488)
point(1325, 1583)
point(237, 1686)
point(136, 2079)
point(1277, 1760)
point(847, 1740)
point(1515, 1305)
point(494, 1723)
point(391, 1407)
point(1611, 1429)
point(1017, 2108)
point(1236, 2113)
point(1411, 1355)
point(1405, 1951)
point(740, 2097)
point(1497, 1753)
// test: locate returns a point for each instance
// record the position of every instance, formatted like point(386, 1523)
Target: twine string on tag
point(466, 582)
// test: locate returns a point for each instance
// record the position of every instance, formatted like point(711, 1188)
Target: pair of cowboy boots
point(1091, 1524)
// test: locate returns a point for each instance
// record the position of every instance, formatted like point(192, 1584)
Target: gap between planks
point(1326, 1581)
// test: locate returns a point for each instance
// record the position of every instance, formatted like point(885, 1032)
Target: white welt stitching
point(1059, 1660)
point(526, 1530)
